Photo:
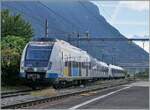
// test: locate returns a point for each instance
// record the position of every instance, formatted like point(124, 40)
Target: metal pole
point(112, 60)
point(46, 28)
point(102, 57)
point(62, 63)
point(88, 39)
point(78, 62)
point(143, 45)
point(78, 39)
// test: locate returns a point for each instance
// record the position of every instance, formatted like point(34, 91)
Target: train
point(57, 62)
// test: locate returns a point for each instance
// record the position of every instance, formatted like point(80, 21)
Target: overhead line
point(35, 18)
point(89, 11)
point(51, 22)
point(49, 12)
point(26, 14)
point(109, 39)
point(58, 14)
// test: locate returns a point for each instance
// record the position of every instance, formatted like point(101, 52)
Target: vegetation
point(15, 25)
point(143, 75)
point(127, 75)
point(16, 32)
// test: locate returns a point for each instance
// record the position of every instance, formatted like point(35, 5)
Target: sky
point(131, 18)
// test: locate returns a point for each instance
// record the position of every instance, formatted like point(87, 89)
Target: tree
point(15, 25)
point(11, 47)
point(15, 32)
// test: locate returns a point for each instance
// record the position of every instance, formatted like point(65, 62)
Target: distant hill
point(73, 16)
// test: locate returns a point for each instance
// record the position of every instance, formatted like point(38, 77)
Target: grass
point(13, 88)
point(44, 92)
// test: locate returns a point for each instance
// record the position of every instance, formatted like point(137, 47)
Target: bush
point(15, 25)
point(11, 47)
point(15, 33)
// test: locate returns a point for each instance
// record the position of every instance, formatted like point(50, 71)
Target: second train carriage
point(116, 71)
point(53, 60)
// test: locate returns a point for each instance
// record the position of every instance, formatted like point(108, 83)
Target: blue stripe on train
point(75, 72)
point(54, 75)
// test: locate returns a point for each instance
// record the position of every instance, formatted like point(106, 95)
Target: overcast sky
point(129, 17)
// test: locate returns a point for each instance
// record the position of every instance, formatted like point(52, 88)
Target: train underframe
point(63, 83)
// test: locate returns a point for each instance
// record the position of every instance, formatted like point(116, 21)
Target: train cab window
point(38, 55)
point(38, 52)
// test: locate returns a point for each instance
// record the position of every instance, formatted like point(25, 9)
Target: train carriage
point(116, 71)
point(54, 61)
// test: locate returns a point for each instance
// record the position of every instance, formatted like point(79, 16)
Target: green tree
point(15, 25)
point(11, 47)
point(15, 32)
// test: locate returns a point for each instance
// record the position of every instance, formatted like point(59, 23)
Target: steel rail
point(13, 92)
point(16, 93)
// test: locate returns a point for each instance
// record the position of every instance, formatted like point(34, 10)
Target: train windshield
point(38, 55)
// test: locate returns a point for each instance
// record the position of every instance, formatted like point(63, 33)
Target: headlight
point(35, 69)
point(22, 69)
point(45, 68)
point(22, 63)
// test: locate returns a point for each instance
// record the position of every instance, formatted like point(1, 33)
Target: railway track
point(17, 93)
point(33, 102)
point(14, 93)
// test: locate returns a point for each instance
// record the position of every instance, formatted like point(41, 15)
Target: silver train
point(57, 62)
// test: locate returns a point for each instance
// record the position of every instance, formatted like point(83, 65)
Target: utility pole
point(102, 57)
point(143, 45)
point(46, 28)
point(112, 59)
point(88, 38)
point(78, 35)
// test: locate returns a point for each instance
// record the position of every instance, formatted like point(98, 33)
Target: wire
point(89, 11)
point(66, 20)
point(35, 18)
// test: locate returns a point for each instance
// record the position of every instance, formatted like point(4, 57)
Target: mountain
point(65, 17)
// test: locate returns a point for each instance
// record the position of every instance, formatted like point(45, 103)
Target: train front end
point(35, 61)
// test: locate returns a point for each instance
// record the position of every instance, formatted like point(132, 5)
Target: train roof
point(103, 64)
point(44, 39)
point(68, 45)
point(76, 49)
point(83, 54)
point(115, 67)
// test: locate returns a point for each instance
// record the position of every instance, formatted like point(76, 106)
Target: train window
point(74, 64)
point(66, 63)
point(82, 63)
point(38, 52)
point(89, 65)
point(37, 55)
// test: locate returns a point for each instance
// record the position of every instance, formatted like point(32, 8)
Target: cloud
point(115, 13)
point(136, 5)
